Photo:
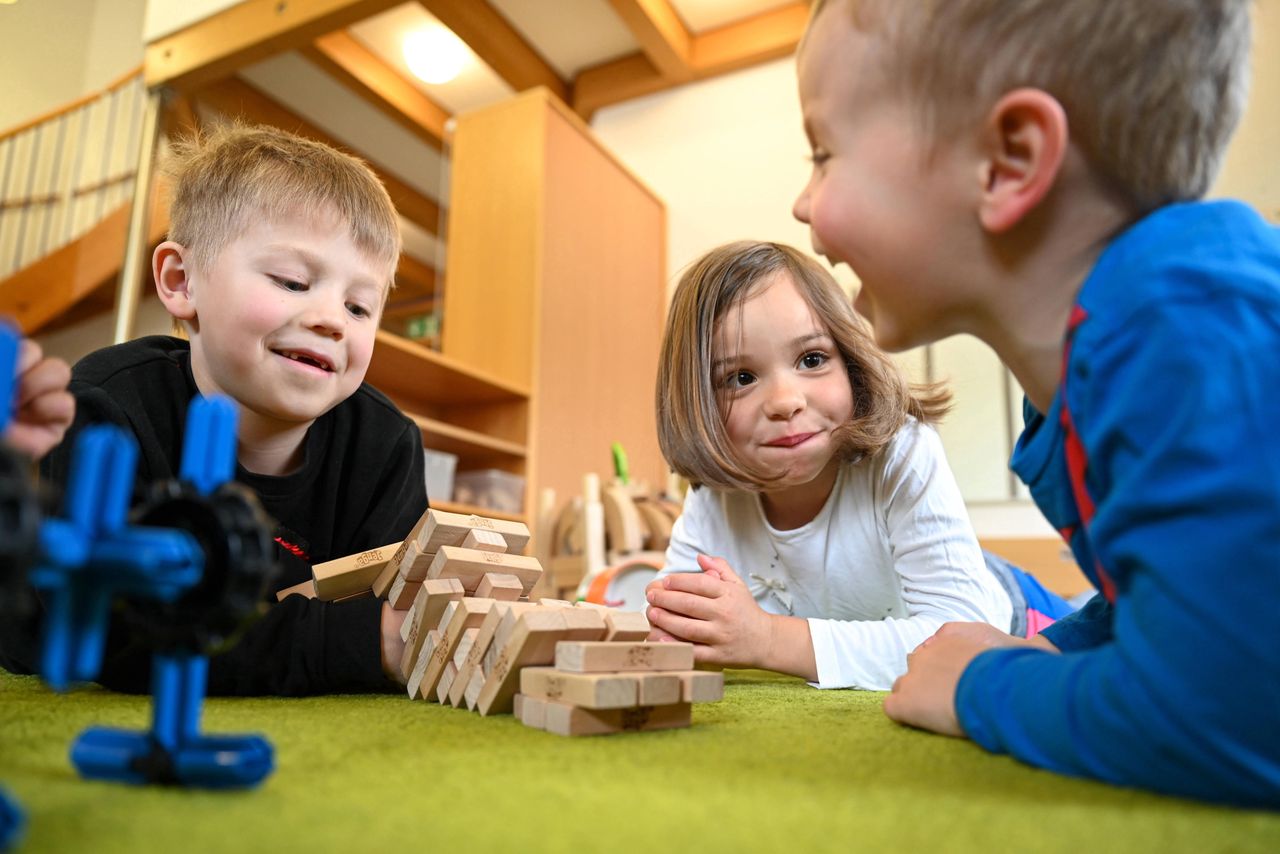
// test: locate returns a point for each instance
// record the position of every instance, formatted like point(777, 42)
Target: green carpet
point(775, 766)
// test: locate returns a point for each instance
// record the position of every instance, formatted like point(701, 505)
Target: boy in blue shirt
point(1029, 173)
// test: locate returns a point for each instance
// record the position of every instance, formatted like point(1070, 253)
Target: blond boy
point(1027, 172)
point(280, 255)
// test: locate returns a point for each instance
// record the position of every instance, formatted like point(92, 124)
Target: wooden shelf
point(475, 510)
point(413, 374)
point(466, 444)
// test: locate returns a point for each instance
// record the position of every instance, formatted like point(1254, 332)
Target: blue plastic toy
point(18, 529)
point(190, 570)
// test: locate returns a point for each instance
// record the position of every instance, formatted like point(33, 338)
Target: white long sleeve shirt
point(889, 558)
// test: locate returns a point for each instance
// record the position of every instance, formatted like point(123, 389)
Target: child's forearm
point(790, 649)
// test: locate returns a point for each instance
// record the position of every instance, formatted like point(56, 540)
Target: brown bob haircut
point(691, 416)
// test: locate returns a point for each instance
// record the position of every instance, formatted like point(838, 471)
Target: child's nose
point(785, 399)
point(327, 317)
point(800, 210)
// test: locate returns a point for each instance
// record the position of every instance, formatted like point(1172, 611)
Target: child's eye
point(814, 359)
point(358, 310)
point(289, 284)
point(738, 379)
point(818, 157)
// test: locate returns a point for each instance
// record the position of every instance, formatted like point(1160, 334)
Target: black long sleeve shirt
point(361, 485)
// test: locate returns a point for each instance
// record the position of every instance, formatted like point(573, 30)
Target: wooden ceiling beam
point(661, 34)
point(252, 30)
point(614, 82)
point(234, 97)
point(383, 87)
point(760, 38)
point(498, 44)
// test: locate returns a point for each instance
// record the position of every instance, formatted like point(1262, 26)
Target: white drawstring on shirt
point(772, 587)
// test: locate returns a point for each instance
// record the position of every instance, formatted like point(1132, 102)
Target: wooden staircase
point(65, 207)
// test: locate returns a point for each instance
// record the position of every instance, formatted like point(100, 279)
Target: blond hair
point(222, 179)
point(691, 416)
point(1152, 89)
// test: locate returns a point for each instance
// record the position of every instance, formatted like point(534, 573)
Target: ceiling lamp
point(435, 55)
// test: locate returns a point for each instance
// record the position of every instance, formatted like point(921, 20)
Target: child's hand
point(44, 406)
point(925, 696)
point(392, 645)
point(715, 611)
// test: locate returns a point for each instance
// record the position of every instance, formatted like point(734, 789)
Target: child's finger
point(717, 566)
point(42, 377)
point(693, 582)
point(688, 604)
point(29, 353)
point(683, 628)
point(55, 407)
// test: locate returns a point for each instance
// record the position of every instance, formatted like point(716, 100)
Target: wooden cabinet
point(554, 302)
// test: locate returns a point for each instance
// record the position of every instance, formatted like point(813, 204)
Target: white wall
point(728, 157)
point(43, 46)
point(168, 16)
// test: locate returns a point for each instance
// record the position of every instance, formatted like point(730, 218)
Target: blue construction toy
point(188, 570)
point(19, 530)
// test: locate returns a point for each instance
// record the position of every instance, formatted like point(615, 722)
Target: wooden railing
point(63, 172)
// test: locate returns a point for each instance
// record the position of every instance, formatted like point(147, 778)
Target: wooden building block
point(414, 683)
point(402, 593)
point(499, 585)
point(467, 614)
point(451, 529)
point(598, 657)
point(351, 597)
point(554, 603)
point(428, 607)
point(562, 719)
point(446, 682)
point(659, 689)
point(474, 662)
point(414, 565)
point(626, 626)
point(475, 684)
point(306, 588)
point(351, 574)
point(389, 572)
point(533, 712)
point(469, 566)
point(485, 541)
point(589, 690)
point(447, 614)
point(583, 603)
point(464, 645)
point(532, 642)
point(701, 686)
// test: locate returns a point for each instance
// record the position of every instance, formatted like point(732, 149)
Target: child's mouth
point(791, 441)
point(311, 360)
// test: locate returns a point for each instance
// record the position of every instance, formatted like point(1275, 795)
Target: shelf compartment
point(466, 444)
point(422, 378)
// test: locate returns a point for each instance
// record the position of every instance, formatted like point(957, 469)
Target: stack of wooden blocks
point(601, 688)
point(471, 633)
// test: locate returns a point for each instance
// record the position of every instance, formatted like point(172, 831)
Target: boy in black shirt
point(280, 255)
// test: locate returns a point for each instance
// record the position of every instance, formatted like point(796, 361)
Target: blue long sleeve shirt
point(1173, 387)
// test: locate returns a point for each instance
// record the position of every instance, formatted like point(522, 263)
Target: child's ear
point(173, 280)
point(1024, 144)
